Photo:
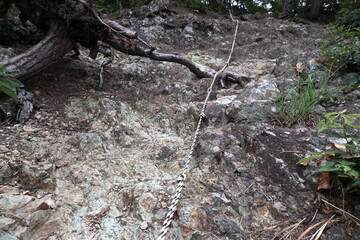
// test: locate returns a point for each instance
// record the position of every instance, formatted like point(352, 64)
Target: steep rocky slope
point(102, 164)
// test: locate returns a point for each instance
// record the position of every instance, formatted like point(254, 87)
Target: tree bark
point(315, 9)
point(47, 52)
point(288, 9)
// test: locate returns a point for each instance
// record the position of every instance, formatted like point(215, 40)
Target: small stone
point(263, 211)
point(30, 129)
point(50, 202)
point(279, 206)
point(270, 133)
point(144, 225)
point(3, 148)
point(274, 109)
point(43, 206)
point(28, 193)
point(357, 207)
point(16, 152)
point(48, 167)
point(257, 179)
point(215, 149)
point(7, 190)
point(37, 115)
point(318, 109)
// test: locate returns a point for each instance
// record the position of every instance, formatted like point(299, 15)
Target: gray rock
point(228, 226)
point(6, 236)
point(240, 112)
point(6, 223)
point(336, 233)
point(5, 171)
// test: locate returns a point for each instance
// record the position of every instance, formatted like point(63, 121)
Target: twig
point(289, 230)
point(309, 229)
point(318, 233)
point(352, 217)
point(312, 219)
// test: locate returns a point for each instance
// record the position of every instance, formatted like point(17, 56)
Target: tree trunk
point(315, 9)
point(79, 21)
point(288, 9)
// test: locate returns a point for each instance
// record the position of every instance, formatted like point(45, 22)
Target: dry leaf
point(324, 181)
point(338, 147)
point(304, 163)
point(185, 229)
point(299, 67)
point(195, 213)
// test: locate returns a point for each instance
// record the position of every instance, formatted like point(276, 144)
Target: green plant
point(291, 29)
point(9, 32)
point(197, 4)
point(106, 6)
point(342, 48)
point(8, 85)
point(110, 6)
point(295, 105)
point(354, 78)
point(344, 160)
point(348, 17)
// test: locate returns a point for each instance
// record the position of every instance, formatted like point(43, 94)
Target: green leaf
point(331, 114)
point(347, 169)
point(351, 156)
point(342, 175)
point(353, 173)
point(14, 81)
point(347, 163)
point(329, 169)
point(348, 120)
point(352, 185)
point(354, 126)
point(17, 83)
point(7, 84)
point(325, 125)
point(353, 115)
point(308, 159)
point(9, 92)
point(337, 125)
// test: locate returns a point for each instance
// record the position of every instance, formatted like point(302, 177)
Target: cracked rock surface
point(103, 164)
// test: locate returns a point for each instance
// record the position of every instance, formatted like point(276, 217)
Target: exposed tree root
point(47, 52)
point(84, 24)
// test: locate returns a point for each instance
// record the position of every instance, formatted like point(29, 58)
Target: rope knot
point(181, 177)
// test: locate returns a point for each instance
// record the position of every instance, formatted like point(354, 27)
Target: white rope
point(182, 176)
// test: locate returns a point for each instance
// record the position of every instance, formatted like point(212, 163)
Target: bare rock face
point(103, 165)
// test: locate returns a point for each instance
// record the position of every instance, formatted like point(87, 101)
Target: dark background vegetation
point(343, 10)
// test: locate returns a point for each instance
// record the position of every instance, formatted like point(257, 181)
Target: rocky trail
point(103, 164)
